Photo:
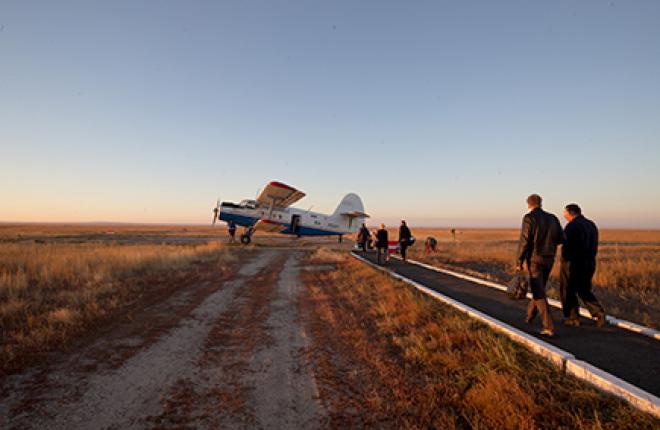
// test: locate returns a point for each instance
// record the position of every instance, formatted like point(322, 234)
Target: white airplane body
point(271, 212)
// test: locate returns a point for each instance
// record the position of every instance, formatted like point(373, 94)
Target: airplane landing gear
point(246, 237)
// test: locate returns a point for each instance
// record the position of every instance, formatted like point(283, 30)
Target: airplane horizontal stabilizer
point(355, 214)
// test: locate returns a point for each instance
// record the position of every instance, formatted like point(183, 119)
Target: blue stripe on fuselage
point(309, 231)
point(242, 220)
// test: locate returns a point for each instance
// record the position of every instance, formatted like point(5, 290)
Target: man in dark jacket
point(382, 242)
point(539, 236)
point(363, 237)
point(578, 264)
point(231, 229)
point(404, 238)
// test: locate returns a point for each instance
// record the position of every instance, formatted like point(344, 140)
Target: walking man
point(578, 264)
point(539, 236)
point(231, 228)
point(405, 238)
point(363, 237)
point(382, 243)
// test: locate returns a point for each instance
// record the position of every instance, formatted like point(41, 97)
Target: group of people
point(380, 240)
point(540, 236)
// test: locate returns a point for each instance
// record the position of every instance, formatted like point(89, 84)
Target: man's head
point(534, 201)
point(403, 222)
point(572, 211)
point(382, 226)
point(364, 225)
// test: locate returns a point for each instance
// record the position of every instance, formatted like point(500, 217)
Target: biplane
point(272, 212)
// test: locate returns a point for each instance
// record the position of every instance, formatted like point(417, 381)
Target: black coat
point(580, 243)
point(363, 235)
point(404, 233)
point(382, 239)
point(539, 236)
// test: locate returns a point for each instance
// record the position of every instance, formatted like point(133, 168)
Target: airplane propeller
point(216, 209)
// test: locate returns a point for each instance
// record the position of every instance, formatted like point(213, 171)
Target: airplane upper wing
point(279, 194)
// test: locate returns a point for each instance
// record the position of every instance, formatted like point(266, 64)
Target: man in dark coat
point(578, 264)
point(539, 236)
point(404, 238)
point(231, 229)
point(363, 237)
point(382, 243)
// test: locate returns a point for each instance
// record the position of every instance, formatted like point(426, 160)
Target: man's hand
point(519, 267)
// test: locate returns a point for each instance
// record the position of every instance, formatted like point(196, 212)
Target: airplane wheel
point(245, 239)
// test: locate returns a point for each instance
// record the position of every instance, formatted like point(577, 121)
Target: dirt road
point(235, 359)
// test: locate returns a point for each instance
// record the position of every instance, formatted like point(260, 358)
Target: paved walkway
point(632, 357)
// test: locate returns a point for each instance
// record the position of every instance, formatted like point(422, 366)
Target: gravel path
point(186, 378)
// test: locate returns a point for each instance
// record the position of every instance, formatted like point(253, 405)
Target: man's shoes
point(601, 321)
point(572, 322)
point(546, 332)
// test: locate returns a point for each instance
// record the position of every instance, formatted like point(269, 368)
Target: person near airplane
point(231, 229)
point(405, 239)
point(382, 243)
point(363, 237)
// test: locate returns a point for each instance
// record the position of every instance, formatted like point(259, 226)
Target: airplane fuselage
point(292, 221)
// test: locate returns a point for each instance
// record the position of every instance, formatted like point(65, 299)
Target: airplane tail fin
point(351, 206)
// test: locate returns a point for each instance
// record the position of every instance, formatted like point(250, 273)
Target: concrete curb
point(623, 324)
point(607, 382)
point(561, 358)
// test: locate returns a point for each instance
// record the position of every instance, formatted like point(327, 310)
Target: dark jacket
point(382, 239)
point(580, 242)
point(363, 235)
point(404, 233)
point(539, 236)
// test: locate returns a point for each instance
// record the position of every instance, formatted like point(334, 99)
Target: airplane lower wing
point(266, 225)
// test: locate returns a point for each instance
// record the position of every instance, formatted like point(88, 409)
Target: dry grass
point(53, 291)
point(627, 279)
point(16, 230)
point(388, 357)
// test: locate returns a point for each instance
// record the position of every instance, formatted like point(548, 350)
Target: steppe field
point(172, 327)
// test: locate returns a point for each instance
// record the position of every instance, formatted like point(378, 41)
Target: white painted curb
point(563, 359)
point(626, 325)
point(607, 382)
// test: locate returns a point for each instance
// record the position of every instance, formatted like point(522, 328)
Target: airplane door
point(295, 224)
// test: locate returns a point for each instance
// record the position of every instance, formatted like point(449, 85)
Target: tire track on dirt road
point(253, 372)
point(123, 397)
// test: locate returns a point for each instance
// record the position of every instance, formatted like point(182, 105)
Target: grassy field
point(389, 357)
point(627, 280)
point(52, 292)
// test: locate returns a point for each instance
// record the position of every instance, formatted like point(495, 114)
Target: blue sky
point(445, 113)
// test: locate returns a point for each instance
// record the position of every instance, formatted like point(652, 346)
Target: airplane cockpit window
point(250, 204)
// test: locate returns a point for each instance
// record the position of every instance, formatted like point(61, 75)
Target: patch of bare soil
point(251, 372)
point(217, 354)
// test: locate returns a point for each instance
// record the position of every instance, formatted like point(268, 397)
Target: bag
point(518, 286)
point(411, 241)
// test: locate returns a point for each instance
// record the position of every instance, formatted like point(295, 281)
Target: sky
point(443, 113)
